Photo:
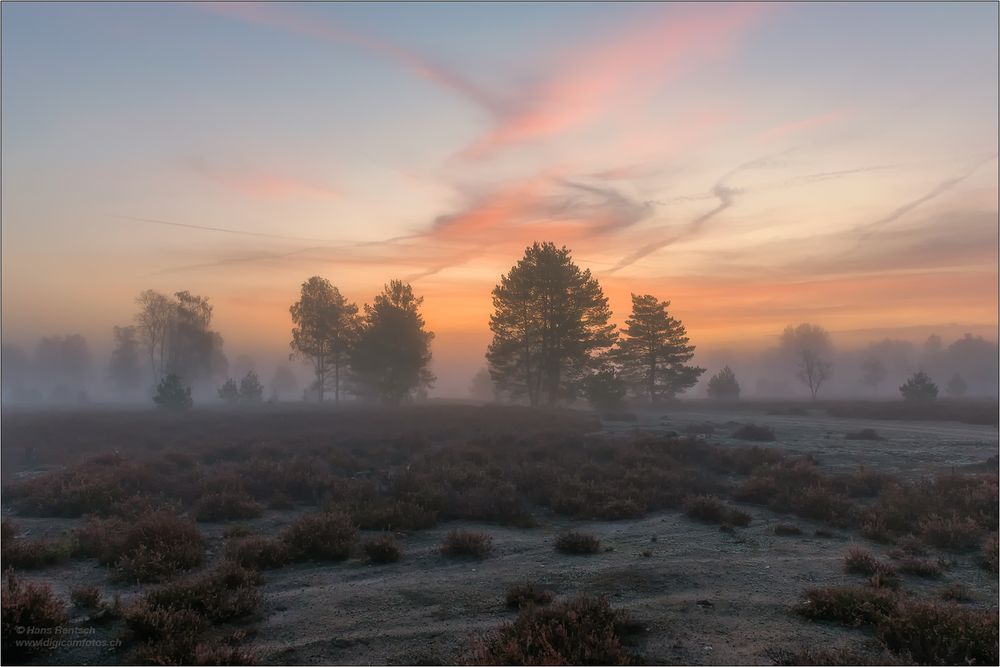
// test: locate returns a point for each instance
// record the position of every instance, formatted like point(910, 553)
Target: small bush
point(787, 529)
point(920, 567)
point(27, 604)
point(951, 533)
point(850, 605)
point(934, 633)
point(320, 536)
point(226, 593)
point(172, 394)
point(990, 559)
point(859, 561)
point(956, 592)
point(86, 597)
point(711, 510)
point(522, 595)
point(466, 543)
point(575, 543)
point(29, 554)
point(257, 552)
point(876, 655)
point(754, 433)
point(227, 506)
point(382, 549)
point(582, 631)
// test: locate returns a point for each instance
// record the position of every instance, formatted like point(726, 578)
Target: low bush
point(712, 510)
point(873, 655)
point(951, 533)
point(227, 593)
point(86, 597)
point(920, 567)
point(522, 595)
point(787, 529)
point(754, 433)
point(581, 631)
point(320, 536)
point(227, 506)
point(28, 604)
point(850, 605)
point(575, 543)
point(859, 561)
point(936, 633)
point(989, 559)
point(257, 552)
point(382, 549)
point(466, 543)
point(956, 592)
point(29, 554)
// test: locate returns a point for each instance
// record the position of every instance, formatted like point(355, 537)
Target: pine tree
point(653, 351)
point(326, 328)
point(550, 323)
point(251, 390)
point(919, 388)
point(723, 385)
point(229, 392)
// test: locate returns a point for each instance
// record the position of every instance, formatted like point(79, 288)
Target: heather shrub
point(935, 633)
point(382, 549)
point(320, 536)
point(27, 604)
point(989, 557)
point(951, 533)
point(224, 594)
point(850, 605)
point(754, 433)
point(29, 554)
point(859, 561)
point(467, 543)
point(226, 506)
point(581, 631)
point(572, 542)
point(712, 510)
point(787, 529)
point(522, 595)
point(86, 597)
point(257, 552)
point(955, 592)
point(874, 655)
point(393, 514)
point(920, 567)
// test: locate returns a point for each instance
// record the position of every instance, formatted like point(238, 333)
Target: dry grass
point(382, 549)
point(523, 595)
point(28, 604)
point(935, 633)
point(257, 552)
point(464, 543)
point(859, 561)
point(574, 543)
point(850, 605)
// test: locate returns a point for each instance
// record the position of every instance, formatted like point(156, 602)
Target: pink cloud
point(800, 125)
point(260, 183)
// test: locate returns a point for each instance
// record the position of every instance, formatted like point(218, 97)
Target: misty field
point(699, 533)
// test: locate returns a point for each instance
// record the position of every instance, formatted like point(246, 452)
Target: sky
point(756, 165)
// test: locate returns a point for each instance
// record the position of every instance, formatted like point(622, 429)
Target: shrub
point(320, 536)
point(951, 533)
point(920, 567)
point(572, 542)
point(226, 506)
point(723, 385)
point(171, 394)
point(466, 543)
point(850, 605)
point(989, 559)
point(229, 392)
point(257, 552)
point(934, 633)
point(522, 595)
point(755, 433)
point(578, 632)
point(859, 561)
point(919, 388)
point(224, 594)
point(787, 529)
point(27, 604)
point(711, 510)
point(875, 655)
point(29, 554)
point(382, 549)
point(86, 597)
point(956, 592)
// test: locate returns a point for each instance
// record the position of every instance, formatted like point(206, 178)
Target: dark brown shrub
point(29, 554)
point(989, 558)
point(951, 533)
point(956, 592)
point(578, 632)
point(755, 433)
point(712, 510)
point(320, 536)
point(382, 549)
point(86, 597)
point(522, 595)
point(787, 529)
point(859, 561)
point(874, 655)
point(935, 633)
point(575, 543)
point(28, 604)
point(466, 543)
point(257, 552)
point(224, 594)
point(227, 506)
point(392, 514)
point(850, 605)
point(920, 567)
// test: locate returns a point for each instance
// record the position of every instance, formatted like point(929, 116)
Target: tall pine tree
point(550, 322)
point(653, 351)
point(326, 328)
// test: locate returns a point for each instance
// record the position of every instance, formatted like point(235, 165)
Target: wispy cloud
point(794, 127)
point(259, 183)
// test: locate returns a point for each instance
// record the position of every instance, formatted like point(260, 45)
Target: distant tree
point(723, 385)
point(65, 363)
point(873, 373)
point(393, 349)
point(251, 390)
point(125, 370)
point(653, 349)
point(482, 388)
point(977, 360)
point(809, 346)
point(171, 394)
point(16, 372)
point(326, 329)
point(194, 350)
point(919, 388)
point(550, 323)
point(243, 364)
point(604, 390)
point(155, 322)
point(283, 383)
point(956, 386)
point(229, 392)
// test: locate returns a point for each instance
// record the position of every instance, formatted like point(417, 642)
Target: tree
point(229, 392)
point(723, 385)
point(66, 364)
point(550, 323)
point(393, 349)
point(251, 390)
point(284, 382)
point(171, 394)
point(956, 386)
point(919, 388)
point(604, 390)
point(482, 388)
point(124, 369)
point(873, 373)
point(653, 349)
point(809, 346)
point(155, 321)
point(195, 351)
point(326, 329)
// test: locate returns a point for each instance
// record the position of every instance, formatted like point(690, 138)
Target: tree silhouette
point(653, 349)
point(155, 322)
point(229, 392)
point(125, 370)
point(956, 386)
point(251, 390)
point(177, 337)
point(723, 385)
point(604, 390)
point(326, 329)
point(550, 322)
point(171, 394)
point(809, 346)
point(919, 388)
point(873, 373)
point(390, 359)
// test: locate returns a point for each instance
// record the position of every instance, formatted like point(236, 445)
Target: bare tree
point(155, 321)
point(809, 346)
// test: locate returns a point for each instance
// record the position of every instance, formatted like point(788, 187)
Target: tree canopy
point(325, 331)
